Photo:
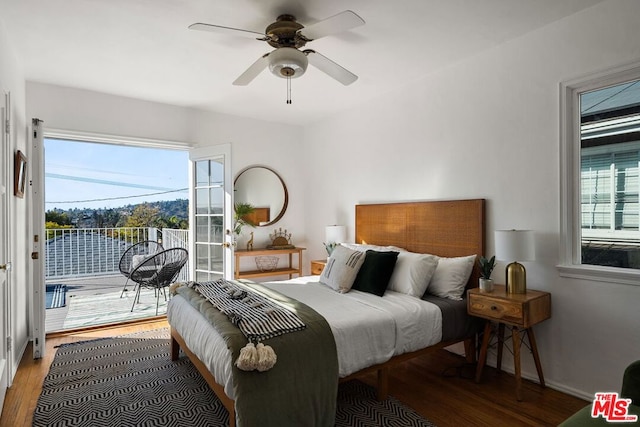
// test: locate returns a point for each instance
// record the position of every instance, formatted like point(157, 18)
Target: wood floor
point(439, 386)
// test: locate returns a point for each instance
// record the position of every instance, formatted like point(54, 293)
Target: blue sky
point(93, 175)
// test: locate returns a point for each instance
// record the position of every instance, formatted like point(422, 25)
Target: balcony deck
point(96, 300)
point(86, 260)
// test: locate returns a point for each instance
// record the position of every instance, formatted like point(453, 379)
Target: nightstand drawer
point(523, 310)
point(489, 308)
point(317, 267)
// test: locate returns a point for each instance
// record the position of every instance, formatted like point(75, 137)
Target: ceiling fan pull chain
point(288, 89)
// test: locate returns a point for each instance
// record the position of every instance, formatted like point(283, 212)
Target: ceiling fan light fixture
point(287, 62)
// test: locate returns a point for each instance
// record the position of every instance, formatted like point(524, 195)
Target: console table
point(291, 269)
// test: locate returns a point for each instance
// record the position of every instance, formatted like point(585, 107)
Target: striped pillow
point(342, 268)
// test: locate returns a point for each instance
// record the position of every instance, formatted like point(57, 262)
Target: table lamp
point(513, 246)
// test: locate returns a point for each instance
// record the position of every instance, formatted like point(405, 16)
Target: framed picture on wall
point(19, 174)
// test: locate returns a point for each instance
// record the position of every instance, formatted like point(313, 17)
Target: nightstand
point(518, 311)
point(317, 266)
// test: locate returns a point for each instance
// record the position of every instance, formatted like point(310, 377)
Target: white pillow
point(136, 260)
point(451, 277)
point(364, 248)
point(412, 273)
point(342, 268)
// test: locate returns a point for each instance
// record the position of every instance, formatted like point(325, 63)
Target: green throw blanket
point(301, 389)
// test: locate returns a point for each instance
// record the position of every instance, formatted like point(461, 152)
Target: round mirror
point(265, 191)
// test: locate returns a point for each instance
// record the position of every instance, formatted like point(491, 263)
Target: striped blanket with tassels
point(255, 315)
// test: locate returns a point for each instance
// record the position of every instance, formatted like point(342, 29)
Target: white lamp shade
point(290, 58)
point(515, 245)
point(335, 233)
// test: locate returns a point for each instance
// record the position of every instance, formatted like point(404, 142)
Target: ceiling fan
point(288, 36)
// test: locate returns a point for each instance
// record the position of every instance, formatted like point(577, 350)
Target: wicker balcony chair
point(134, 255)
point(158, 272)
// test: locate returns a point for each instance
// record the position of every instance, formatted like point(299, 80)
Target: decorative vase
point(486, 285)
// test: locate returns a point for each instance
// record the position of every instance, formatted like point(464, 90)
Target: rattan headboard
point(445, 228)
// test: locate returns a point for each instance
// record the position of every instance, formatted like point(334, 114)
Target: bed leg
point(383, 383)
point(175, 349)
point(470, 349)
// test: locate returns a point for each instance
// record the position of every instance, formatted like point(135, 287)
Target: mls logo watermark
point(612, 408)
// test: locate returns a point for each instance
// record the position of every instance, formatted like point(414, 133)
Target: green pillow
point(373, 277)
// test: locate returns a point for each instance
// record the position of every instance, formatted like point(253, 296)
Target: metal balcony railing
point(79, 252)
point(172, 238)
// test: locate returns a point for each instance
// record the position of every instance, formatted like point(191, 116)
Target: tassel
point(174, 287)
point(248, 359)
point(266, 357)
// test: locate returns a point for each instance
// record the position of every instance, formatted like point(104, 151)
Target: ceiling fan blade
point(226, 30)
point(337, 23)
point(252, 72)
point(329, 67)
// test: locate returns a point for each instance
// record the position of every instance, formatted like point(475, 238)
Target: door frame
point(36, 209)
point(5, 251)
point(38, 318)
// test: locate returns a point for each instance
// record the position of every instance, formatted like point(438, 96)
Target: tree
point(57, 217)
point(174, 222)
point(144, 215)
point(111, 217)
point(50, 226)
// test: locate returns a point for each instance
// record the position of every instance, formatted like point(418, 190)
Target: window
point(600, 171)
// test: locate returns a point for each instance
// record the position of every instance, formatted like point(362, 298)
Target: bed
point(447, 229)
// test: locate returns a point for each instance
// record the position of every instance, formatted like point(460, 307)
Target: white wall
point(12, 81)
point(488, 127)
point(274, 145)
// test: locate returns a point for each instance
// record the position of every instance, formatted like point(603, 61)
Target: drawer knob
point(494, 308)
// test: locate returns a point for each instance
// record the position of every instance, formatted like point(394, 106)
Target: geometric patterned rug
point(131, 381)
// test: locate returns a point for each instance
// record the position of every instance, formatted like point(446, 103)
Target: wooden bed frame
point(443, 228)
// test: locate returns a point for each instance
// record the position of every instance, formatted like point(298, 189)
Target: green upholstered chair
point(630, 390)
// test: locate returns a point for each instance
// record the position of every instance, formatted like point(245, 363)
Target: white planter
point(486, 285)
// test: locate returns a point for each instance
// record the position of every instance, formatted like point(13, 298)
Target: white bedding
point(367, 329)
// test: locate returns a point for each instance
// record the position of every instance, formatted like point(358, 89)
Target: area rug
point(131, 381)
point(55, 296)
point(89, 310)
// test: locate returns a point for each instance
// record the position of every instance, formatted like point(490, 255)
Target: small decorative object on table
point(250, 242)
point(515, 246)
point(280, 240)
point(486, 268)
point(266, 263)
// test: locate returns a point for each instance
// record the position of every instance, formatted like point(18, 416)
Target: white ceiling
point(143, 49)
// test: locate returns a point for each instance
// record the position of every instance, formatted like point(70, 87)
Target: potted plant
point(330, 247)
point(241, 210)
point(486, 268)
